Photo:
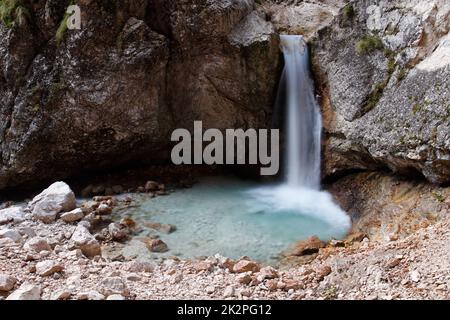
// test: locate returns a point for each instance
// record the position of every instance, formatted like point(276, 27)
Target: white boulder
point(11, 234)
point(53, 200)
point(48, 267)
point(26, 291)
point(12, 214)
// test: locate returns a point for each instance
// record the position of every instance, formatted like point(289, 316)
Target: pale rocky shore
point(52, 248)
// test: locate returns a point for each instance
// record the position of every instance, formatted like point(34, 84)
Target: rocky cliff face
point(112, 92)
point(381, 69)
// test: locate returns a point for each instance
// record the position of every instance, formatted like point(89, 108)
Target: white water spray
point(301, 191)
point(304, 122)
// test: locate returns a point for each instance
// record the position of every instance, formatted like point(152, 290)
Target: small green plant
point(374, 97)
point(119, 43)
point(439, 197)
point(35, 89)
point(13, 12)
point(56, 87)
point(330, 293)
point(416, 108)
point(391, 66)
point(367, 44)
point(62, 29)
point(60, 32)
point(401, 75)
point(348, 12)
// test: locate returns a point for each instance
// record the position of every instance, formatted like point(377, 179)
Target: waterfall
point(304, 122)
point(301, 193)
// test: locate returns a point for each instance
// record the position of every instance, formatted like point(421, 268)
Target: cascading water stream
point(236, 218)
point(301, 191)
point(304, 123)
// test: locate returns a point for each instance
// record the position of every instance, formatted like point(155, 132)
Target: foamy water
point(303, 201)
point(234, 218)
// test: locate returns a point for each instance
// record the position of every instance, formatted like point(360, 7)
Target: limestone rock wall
point(112, 92)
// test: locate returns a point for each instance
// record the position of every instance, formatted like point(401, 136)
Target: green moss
point(348, 12)
point(401, 74)
point(330, 293)
point(62, 29)
point(374, 97)
point(367, 44)
point(420, 106)
point(391, 66)
point(119, 43)
point(35, 89)
point(439, 197)
point(417, 108)
point(13, 12)
point(20, 79)
point(56, 87)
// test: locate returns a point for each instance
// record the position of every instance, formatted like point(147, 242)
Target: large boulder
point(112, 92)
point(53, 200)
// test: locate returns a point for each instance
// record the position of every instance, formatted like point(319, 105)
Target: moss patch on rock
point(368, 44)
point(13, 12)
point(348, 12)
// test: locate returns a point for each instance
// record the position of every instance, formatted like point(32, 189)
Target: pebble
point(115, 297)
point(113, 285)
point(229, 292)
point(246, 266)
point(61, 295)
point(415, 276)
